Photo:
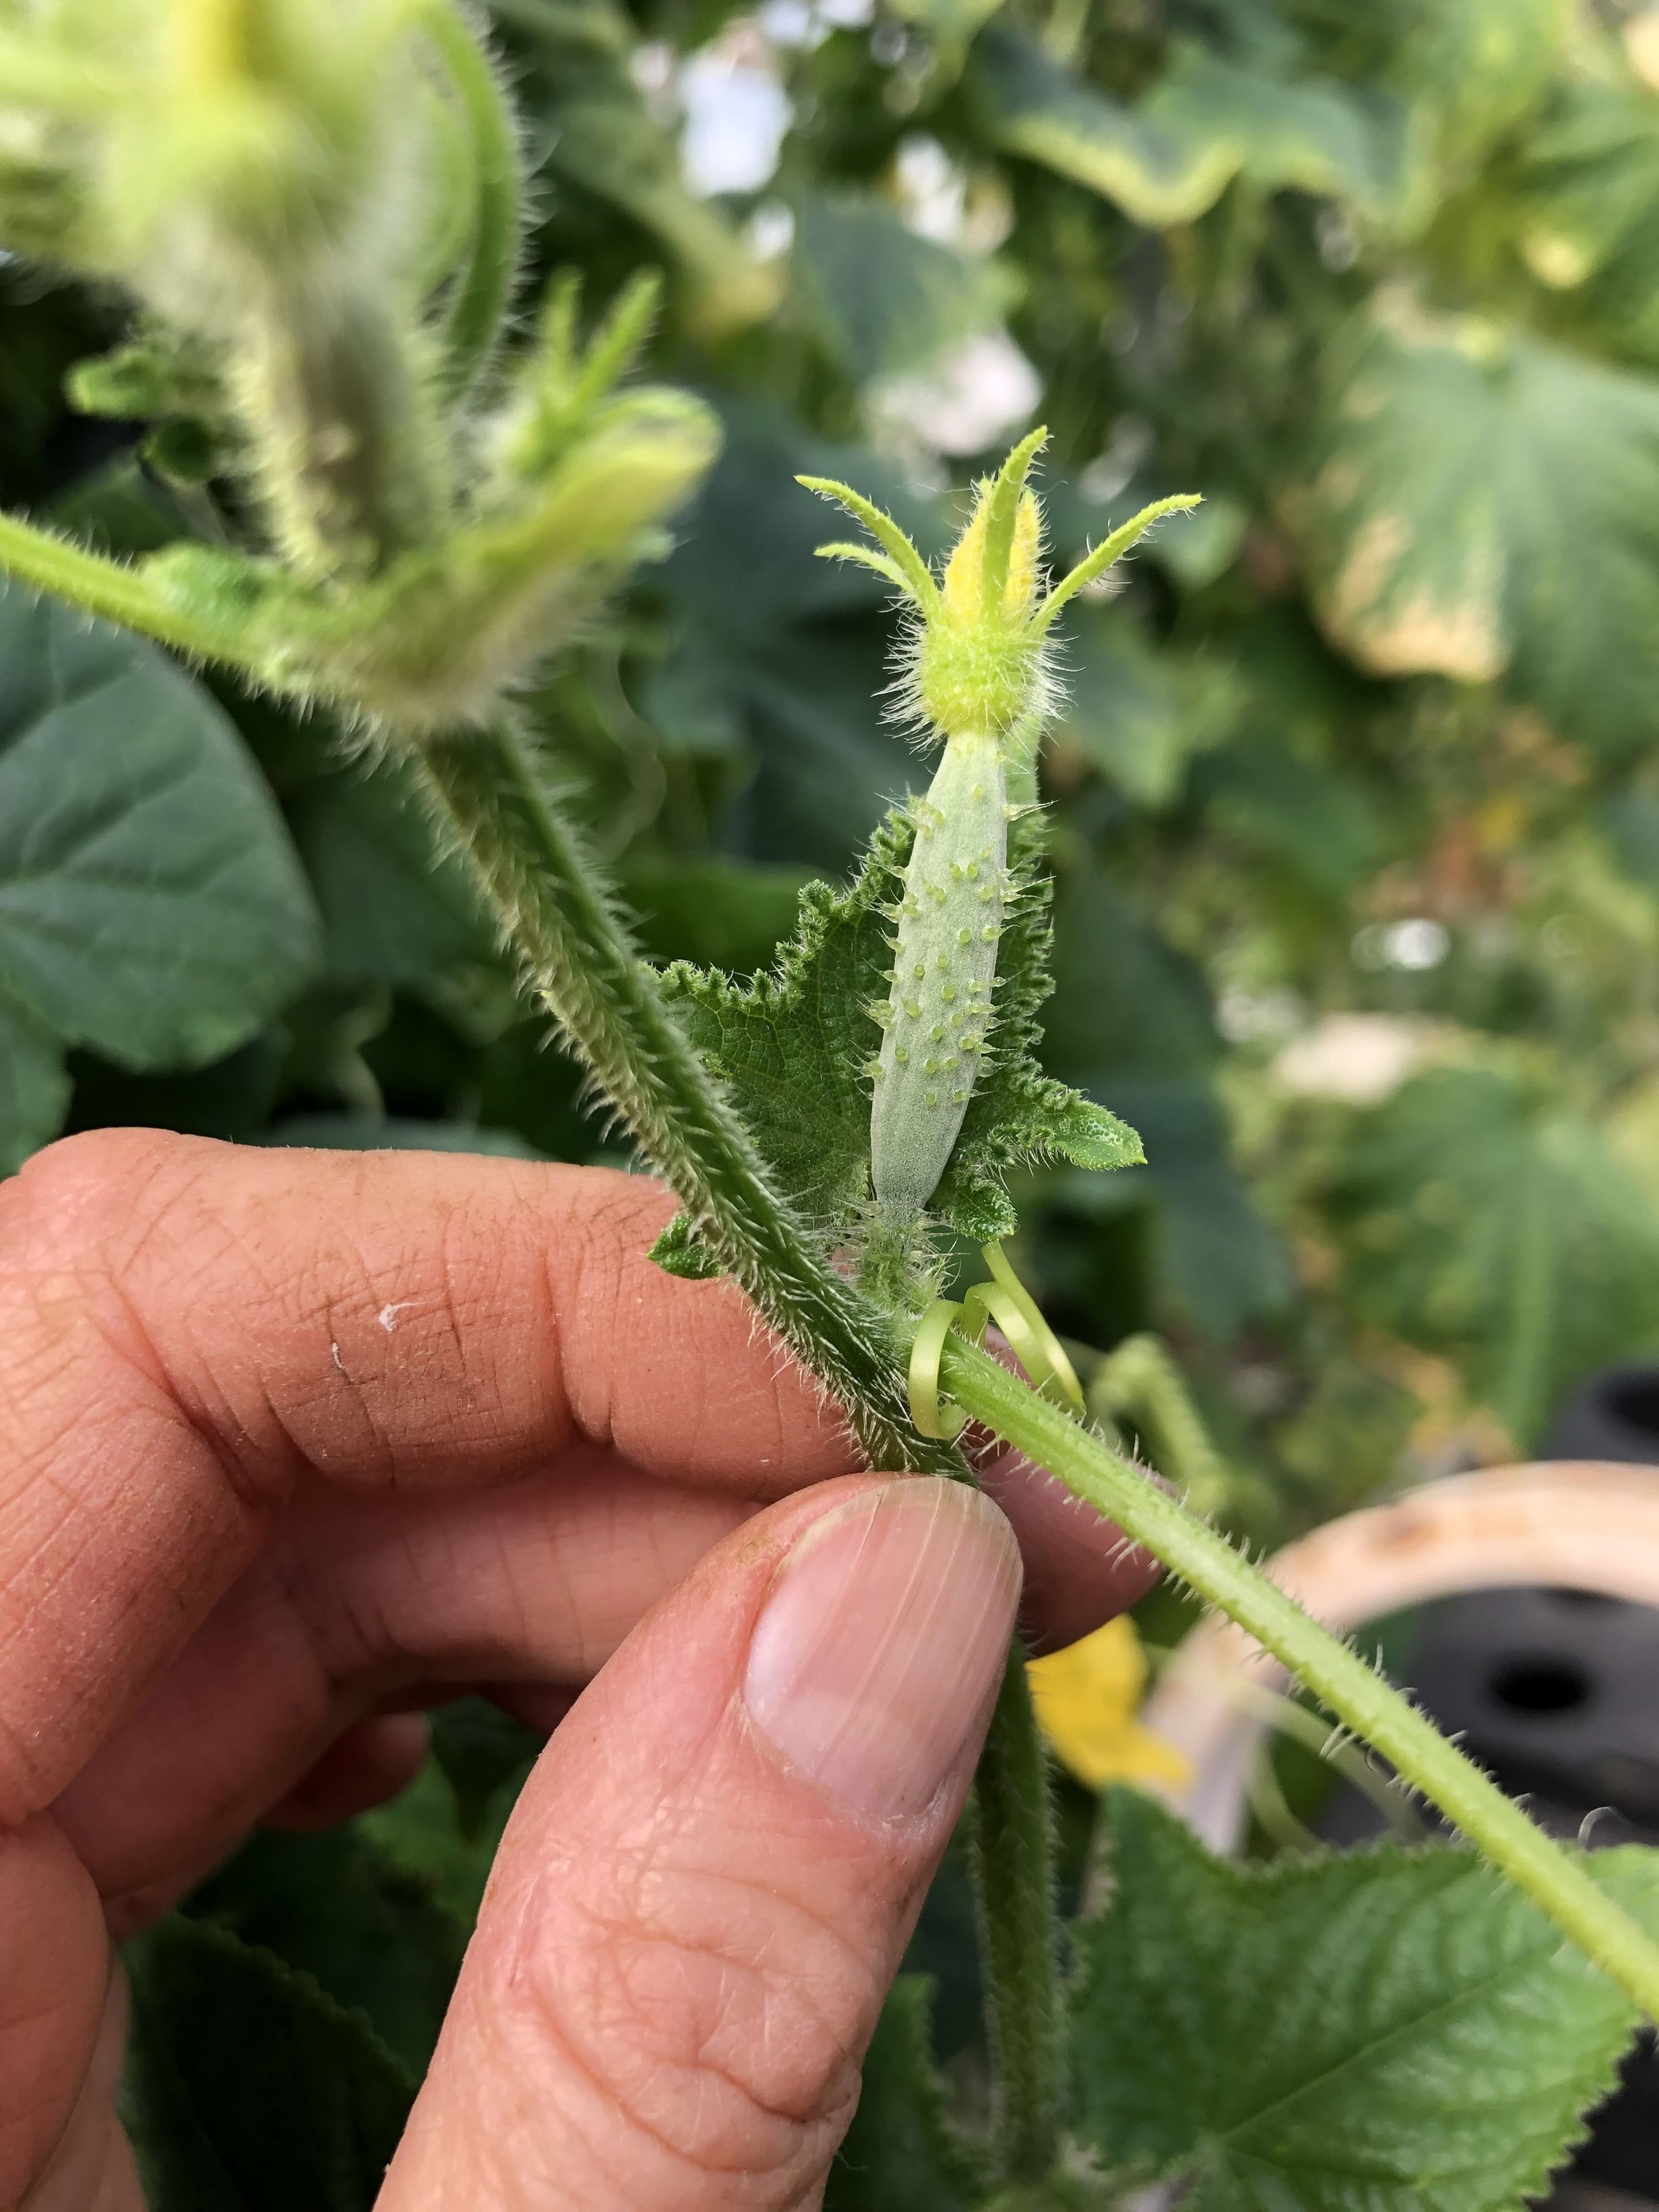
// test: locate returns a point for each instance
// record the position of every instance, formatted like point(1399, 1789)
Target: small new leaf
point(1435, 2046)
point(680, 1251)
point(792, 1048)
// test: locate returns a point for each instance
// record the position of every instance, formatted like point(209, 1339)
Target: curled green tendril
point(1005, 1301)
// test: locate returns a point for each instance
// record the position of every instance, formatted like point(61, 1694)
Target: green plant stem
point(483, 291)
point(1360, 1698)
point(1011, 1843)
point(1138, 1379)
point(114, 589)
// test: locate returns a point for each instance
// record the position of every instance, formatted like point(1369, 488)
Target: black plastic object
point(1614, 1416)
point(1555, 1691)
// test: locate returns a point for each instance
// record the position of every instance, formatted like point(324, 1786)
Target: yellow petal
point(1087, 1698)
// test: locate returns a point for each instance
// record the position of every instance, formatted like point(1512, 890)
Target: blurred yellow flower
point(1087, 1698)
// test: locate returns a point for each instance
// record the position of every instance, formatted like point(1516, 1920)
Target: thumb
point(708, 1882)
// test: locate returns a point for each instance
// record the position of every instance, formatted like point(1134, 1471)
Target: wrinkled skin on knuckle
point(637, 1322)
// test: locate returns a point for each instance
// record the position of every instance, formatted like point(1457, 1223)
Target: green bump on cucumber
point(950, 918)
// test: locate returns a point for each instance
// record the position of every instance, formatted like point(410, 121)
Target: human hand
point(296, 1441)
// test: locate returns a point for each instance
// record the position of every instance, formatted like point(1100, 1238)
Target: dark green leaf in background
point(392, 912)
point(34, 1086)
point(150, 903)
point(248, 2088)
point(885, 299)
point(1481, 1220)
point(339, 1906)
point(1318, 135)
point(1036, 109)
point(1589, 194)
point(1138, 714)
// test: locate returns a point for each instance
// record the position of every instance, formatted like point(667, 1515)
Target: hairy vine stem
point(1011, 1852)
point(491, 794)
point(116, 590)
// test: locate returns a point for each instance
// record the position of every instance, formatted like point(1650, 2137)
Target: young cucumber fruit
point(976, 671)
point(938, 1016)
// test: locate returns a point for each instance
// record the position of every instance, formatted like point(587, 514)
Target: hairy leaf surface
point(901, 2153)
point(249, 2090)
point(1432, 2050)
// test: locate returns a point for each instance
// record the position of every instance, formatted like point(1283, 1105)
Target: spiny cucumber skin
point(938, 1016)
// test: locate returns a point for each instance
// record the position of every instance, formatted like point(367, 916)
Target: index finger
point(189, 1329)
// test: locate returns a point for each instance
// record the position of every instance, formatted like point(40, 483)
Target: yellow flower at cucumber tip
point(977, 661)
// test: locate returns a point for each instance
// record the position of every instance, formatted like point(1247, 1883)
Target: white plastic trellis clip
point(1005, 1301)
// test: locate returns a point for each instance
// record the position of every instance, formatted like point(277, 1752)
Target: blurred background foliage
point(1355, 818)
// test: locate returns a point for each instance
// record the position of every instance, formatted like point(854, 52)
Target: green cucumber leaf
point(791, 1046)
point(1469, 70)
point(1458, 476)
point(248, 2089)
point(1588, 207)
point(34, 1086)
point(392, 912)
point(883, 300)
point(335, 1906)
point(1476, 67)
point(151, 905)
point(901, 2154)
point(429, 1834)
point(1433, 2051)
point(1034, 108)
point(1313, 136)
point(485, 1756)
point(1167, 160)
point(1479, 1223)
point(1137, 714)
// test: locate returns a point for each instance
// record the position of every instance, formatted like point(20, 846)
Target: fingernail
point(881, 1638)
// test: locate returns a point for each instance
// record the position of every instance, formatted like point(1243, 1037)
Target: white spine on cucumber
point(938, 1016)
